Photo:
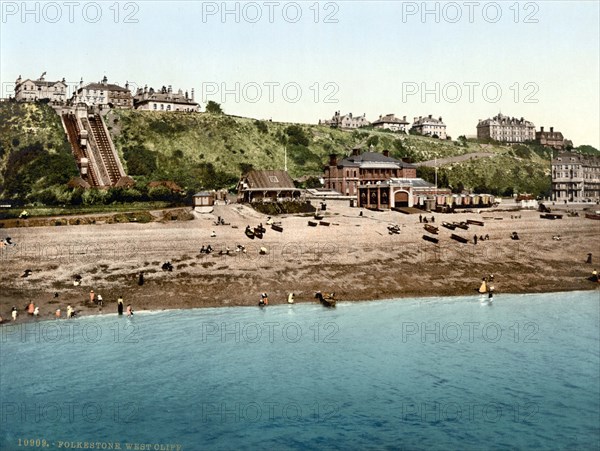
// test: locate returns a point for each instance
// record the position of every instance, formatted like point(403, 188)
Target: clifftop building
point(391, 122)
point(429, 126)
point(346, 121)
point(506, 129)
point(29, 90)
point(552, 139)
point(575, 177)
point(164, 100)
point(103, 94)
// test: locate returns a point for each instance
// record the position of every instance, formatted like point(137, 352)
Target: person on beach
point(36, 311)
point(57, 313)
point(100, 301)
point(129, 310)
point(120, 305)
point(69, 311)
point(420, 218)
point(483, 286)
point(14, 313)
point(291, 298)
point(92, 296)
point(594, 277)
point(30, 308)
point(141, 279)
point(474, 239)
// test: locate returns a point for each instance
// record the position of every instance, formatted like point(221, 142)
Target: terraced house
point(576, 177)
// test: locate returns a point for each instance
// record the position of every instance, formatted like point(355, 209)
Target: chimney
point(542, 129)
point(430, 116)
point(192, 94)
point(404, 118)
point(551, 129)
point(416, 119)
point(332, 159)
point(170, 90)
point(386, 153)
point(356, 151)
point(440, 118)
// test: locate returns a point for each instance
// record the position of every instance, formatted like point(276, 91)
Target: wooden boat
point(459, 238)
point(431, 229)
point(394, 229)
point(474, 222)
point(249, 233)
point(312, 223)
point(448, 225)
point(593, 216)
point(276, 227)
point(461, 225)
point(324, 223)
point(430, 239)
point(327, 299)
point(260, 228)
point(318, 217)
point(551, 216)
point(258, 233)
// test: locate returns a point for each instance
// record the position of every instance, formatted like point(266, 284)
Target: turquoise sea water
point(433, 373)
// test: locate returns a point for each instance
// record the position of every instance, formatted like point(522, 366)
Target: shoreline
point(22, 319)
point(354, 256)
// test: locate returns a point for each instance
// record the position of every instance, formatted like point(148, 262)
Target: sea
point(522, 372)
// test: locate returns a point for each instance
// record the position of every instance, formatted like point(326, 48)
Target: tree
point(213, 107)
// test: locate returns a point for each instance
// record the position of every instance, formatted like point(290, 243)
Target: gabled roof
point(267, 180)
point(43, 82)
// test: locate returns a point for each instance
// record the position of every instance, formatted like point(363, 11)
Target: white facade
point(31, 90)
point(164, 100)
point(429, 126)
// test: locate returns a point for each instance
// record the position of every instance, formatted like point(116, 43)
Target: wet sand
point(354, 256)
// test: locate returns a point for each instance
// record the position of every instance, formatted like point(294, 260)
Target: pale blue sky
point(373, 55)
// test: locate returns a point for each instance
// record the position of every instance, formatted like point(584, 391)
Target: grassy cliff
point(205, 151)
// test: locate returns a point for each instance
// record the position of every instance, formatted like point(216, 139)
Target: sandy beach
point(354, 256)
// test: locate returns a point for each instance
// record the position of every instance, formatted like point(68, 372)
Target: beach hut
point(204, 201)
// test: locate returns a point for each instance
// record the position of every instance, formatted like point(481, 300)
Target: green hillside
point(206, 151)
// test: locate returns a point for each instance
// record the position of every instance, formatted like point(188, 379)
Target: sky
point(302, 61)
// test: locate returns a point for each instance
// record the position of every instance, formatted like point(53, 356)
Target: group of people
point(481, 238)
point(487, 286)
point(423, 219)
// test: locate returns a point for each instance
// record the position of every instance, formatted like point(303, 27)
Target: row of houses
point(575, 177)
point(105, 94)
point(501, 128)
point(422, 125)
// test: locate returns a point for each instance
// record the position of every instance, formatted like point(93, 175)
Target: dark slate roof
point(372, 159)
point(389, 119)
point(103, 86)
point(268, 180)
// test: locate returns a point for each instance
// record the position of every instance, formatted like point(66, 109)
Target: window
point(273, 179)
point(155, 106)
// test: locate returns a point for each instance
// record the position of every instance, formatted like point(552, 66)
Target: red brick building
point(346, 175)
